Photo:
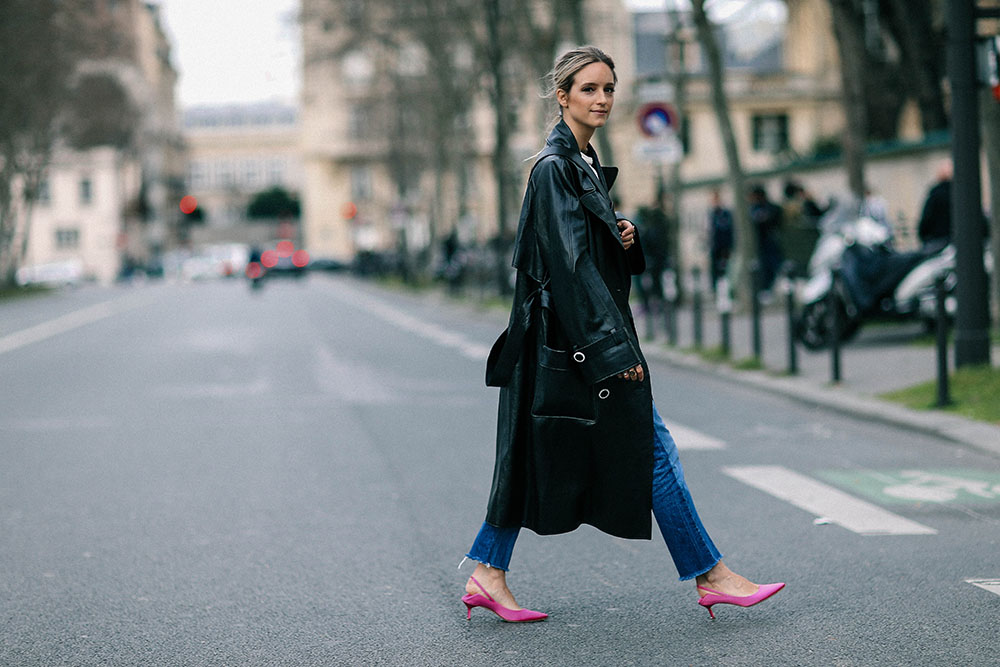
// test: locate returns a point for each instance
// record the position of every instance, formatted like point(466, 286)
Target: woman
point(579, 439)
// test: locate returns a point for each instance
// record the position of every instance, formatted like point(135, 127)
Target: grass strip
point(974, 390)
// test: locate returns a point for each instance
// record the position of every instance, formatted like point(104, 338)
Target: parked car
point(53, 274)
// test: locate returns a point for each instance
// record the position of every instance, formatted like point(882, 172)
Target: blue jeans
point(690, 546)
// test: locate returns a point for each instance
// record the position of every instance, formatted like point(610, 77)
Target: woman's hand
point(633, 374)
point(627, 230)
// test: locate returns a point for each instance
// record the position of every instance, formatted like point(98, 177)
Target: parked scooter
point(855, 269)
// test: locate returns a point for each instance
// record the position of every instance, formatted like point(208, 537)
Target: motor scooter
point(855, 270)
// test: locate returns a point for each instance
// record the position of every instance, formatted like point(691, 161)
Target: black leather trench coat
point(574, 442)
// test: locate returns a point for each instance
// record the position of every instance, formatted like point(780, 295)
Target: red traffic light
point(188, 204)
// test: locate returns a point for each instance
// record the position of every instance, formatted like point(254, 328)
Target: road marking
point(825, 501)
point(920, 486)
point(431, 332)
point(991, 585)
point(689, 439)
point(62, 324)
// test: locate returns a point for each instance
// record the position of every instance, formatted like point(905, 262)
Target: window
point(252, 172)
point(361, 183)
point(359, 125)
point(275, 171)
point(358, 67)
point(197, 174)
point(86, 190)
point(224, 176)
point(770, 132)
point(44, 192)
point(412, 60)
point(67, 238)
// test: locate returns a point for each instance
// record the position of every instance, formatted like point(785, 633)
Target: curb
point(961, 430)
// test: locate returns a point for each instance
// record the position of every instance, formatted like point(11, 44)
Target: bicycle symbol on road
point(937, 488)
point(976, 486)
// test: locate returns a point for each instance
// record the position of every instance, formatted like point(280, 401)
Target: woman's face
point(590, 98)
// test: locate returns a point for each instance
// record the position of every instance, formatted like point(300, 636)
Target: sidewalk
point(881, 358)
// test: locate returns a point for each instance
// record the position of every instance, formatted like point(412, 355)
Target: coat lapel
point(597, 200)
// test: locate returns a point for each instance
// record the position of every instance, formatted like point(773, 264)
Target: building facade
point(235, 152)
point(110, 206)
point(783, 87)
point(377, 181)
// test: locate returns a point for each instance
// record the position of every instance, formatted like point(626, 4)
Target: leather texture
point(574, 442)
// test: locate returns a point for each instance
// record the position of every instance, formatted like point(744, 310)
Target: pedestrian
point(766, 219)
point(720, 237)
point(578, 437)
point(799, 227)
point(652, 222)
point(935, 218)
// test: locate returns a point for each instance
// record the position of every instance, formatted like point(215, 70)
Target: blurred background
point(183, 140)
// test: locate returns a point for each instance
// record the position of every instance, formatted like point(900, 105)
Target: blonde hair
point(571, 62)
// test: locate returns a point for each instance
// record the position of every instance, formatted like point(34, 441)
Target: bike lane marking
point(59, 325)
point(990, 585)
point(825, 501)
point(916, 486)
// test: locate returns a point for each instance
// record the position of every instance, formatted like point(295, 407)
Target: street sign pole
point(972, 318)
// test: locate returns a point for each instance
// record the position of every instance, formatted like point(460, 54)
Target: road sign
point(658, 119)
point(663, 150)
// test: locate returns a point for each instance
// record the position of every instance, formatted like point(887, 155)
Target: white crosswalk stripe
point(688, 439)
point(833, 505)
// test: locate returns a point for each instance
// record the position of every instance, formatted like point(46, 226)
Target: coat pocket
point(560, 390)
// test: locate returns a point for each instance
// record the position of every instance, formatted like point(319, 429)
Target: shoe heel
point(468, 613)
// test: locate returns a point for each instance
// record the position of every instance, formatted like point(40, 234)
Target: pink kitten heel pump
point(714, 597)
point(486, 601)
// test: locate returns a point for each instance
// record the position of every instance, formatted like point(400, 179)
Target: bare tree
point(35, 70)
point(746, 249)
point(43, 101)
point(922, 57)
point(848, 30)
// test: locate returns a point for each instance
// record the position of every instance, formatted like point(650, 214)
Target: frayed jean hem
point(689, 577)
point(474, 559)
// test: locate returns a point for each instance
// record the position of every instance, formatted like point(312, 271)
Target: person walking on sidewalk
point(578, 437)
point(766, 219)
point(720, 238)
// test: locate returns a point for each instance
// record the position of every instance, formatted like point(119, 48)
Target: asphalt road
point(201, 475)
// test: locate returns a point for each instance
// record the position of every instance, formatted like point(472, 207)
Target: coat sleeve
point(587, 314)
point(636, 256)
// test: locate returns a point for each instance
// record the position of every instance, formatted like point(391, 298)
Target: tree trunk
point(746, 248)
point(912, 25)
point(849, 32)
point(501, 149)
point(990, 123)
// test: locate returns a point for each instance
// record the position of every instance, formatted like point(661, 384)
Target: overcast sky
point(233, 50)
point(248, 50)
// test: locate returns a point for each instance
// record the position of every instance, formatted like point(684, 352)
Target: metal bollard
point(941, 324)
point(793, 355)
point(724, 304)
point(755, 311)
point(833, 326)
point(670, 294)
point(696, 309)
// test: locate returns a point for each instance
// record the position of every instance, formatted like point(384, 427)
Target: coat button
point(579, 357)
point(604, 393)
